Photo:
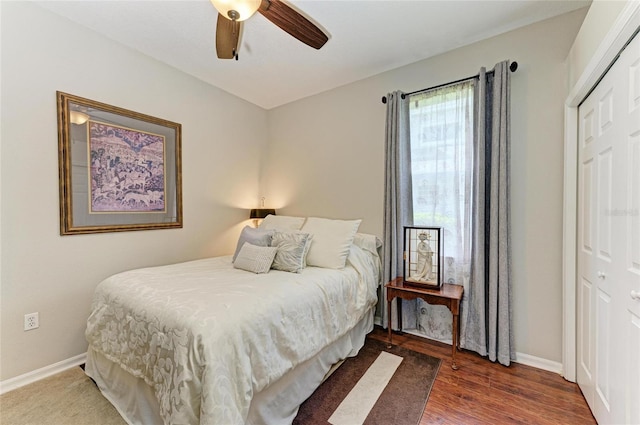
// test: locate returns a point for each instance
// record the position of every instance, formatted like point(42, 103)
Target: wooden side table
point(447, 295)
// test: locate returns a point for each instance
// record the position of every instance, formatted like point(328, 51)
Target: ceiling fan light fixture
point(236, 10)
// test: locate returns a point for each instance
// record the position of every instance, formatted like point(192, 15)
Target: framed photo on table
point(119, 170)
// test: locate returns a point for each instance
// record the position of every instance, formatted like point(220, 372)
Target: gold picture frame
point(119, 170)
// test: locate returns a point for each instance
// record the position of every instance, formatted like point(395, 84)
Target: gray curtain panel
point(398, 206)
point(487, 320)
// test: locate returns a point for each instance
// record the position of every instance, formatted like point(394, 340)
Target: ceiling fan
point(231, 13)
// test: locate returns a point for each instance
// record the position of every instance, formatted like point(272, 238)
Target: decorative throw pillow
point(256, 259)
point(282, 222)
point(331, 241)
point(258, 237)
point(292, 250)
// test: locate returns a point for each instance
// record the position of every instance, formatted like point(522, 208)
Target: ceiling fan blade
point(293, 22)
point(227, 36)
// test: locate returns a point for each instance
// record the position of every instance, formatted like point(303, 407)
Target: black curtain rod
point(513, 66)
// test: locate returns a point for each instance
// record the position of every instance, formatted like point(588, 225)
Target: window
point(441, 137)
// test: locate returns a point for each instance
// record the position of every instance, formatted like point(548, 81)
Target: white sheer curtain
point(441, 123)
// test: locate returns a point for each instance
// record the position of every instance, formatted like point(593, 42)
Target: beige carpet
point(69, 398)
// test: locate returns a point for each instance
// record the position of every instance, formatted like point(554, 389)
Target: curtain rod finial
point(513, 66)
point(384, 99)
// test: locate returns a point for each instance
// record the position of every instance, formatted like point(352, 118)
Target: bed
point(205, 342)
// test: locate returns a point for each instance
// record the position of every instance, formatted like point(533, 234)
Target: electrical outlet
point(31, 321)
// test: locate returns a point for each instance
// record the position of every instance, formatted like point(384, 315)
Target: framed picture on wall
point(119, 170)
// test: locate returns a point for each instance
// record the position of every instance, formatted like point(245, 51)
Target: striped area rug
point(378, 386)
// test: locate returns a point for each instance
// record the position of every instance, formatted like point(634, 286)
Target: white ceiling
point(366, 37)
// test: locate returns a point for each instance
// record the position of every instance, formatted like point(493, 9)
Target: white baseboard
point(36, 375)
point(539, 363)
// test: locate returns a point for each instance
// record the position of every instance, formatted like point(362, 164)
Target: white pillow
point(367, 242)
point(282, 222)
point(331, 241)
point(256, 259)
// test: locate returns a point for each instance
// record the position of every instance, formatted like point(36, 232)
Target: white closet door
point(596, 332)
point(609, 243)
point(630, 292)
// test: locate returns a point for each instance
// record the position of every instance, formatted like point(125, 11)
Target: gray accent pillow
point(258, 237)
point(292, 251)
point(256, 259)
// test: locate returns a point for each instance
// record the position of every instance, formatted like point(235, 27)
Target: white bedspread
point(207, 337)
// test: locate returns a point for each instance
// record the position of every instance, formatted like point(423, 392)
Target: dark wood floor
point(481, 392)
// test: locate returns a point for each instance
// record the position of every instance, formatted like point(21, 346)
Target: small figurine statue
point(425, 259)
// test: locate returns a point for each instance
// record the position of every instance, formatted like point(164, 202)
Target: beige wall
point(223, 141)
point(326, 157)
point(599, 20)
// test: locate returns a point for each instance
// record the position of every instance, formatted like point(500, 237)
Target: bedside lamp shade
point(259, 213)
